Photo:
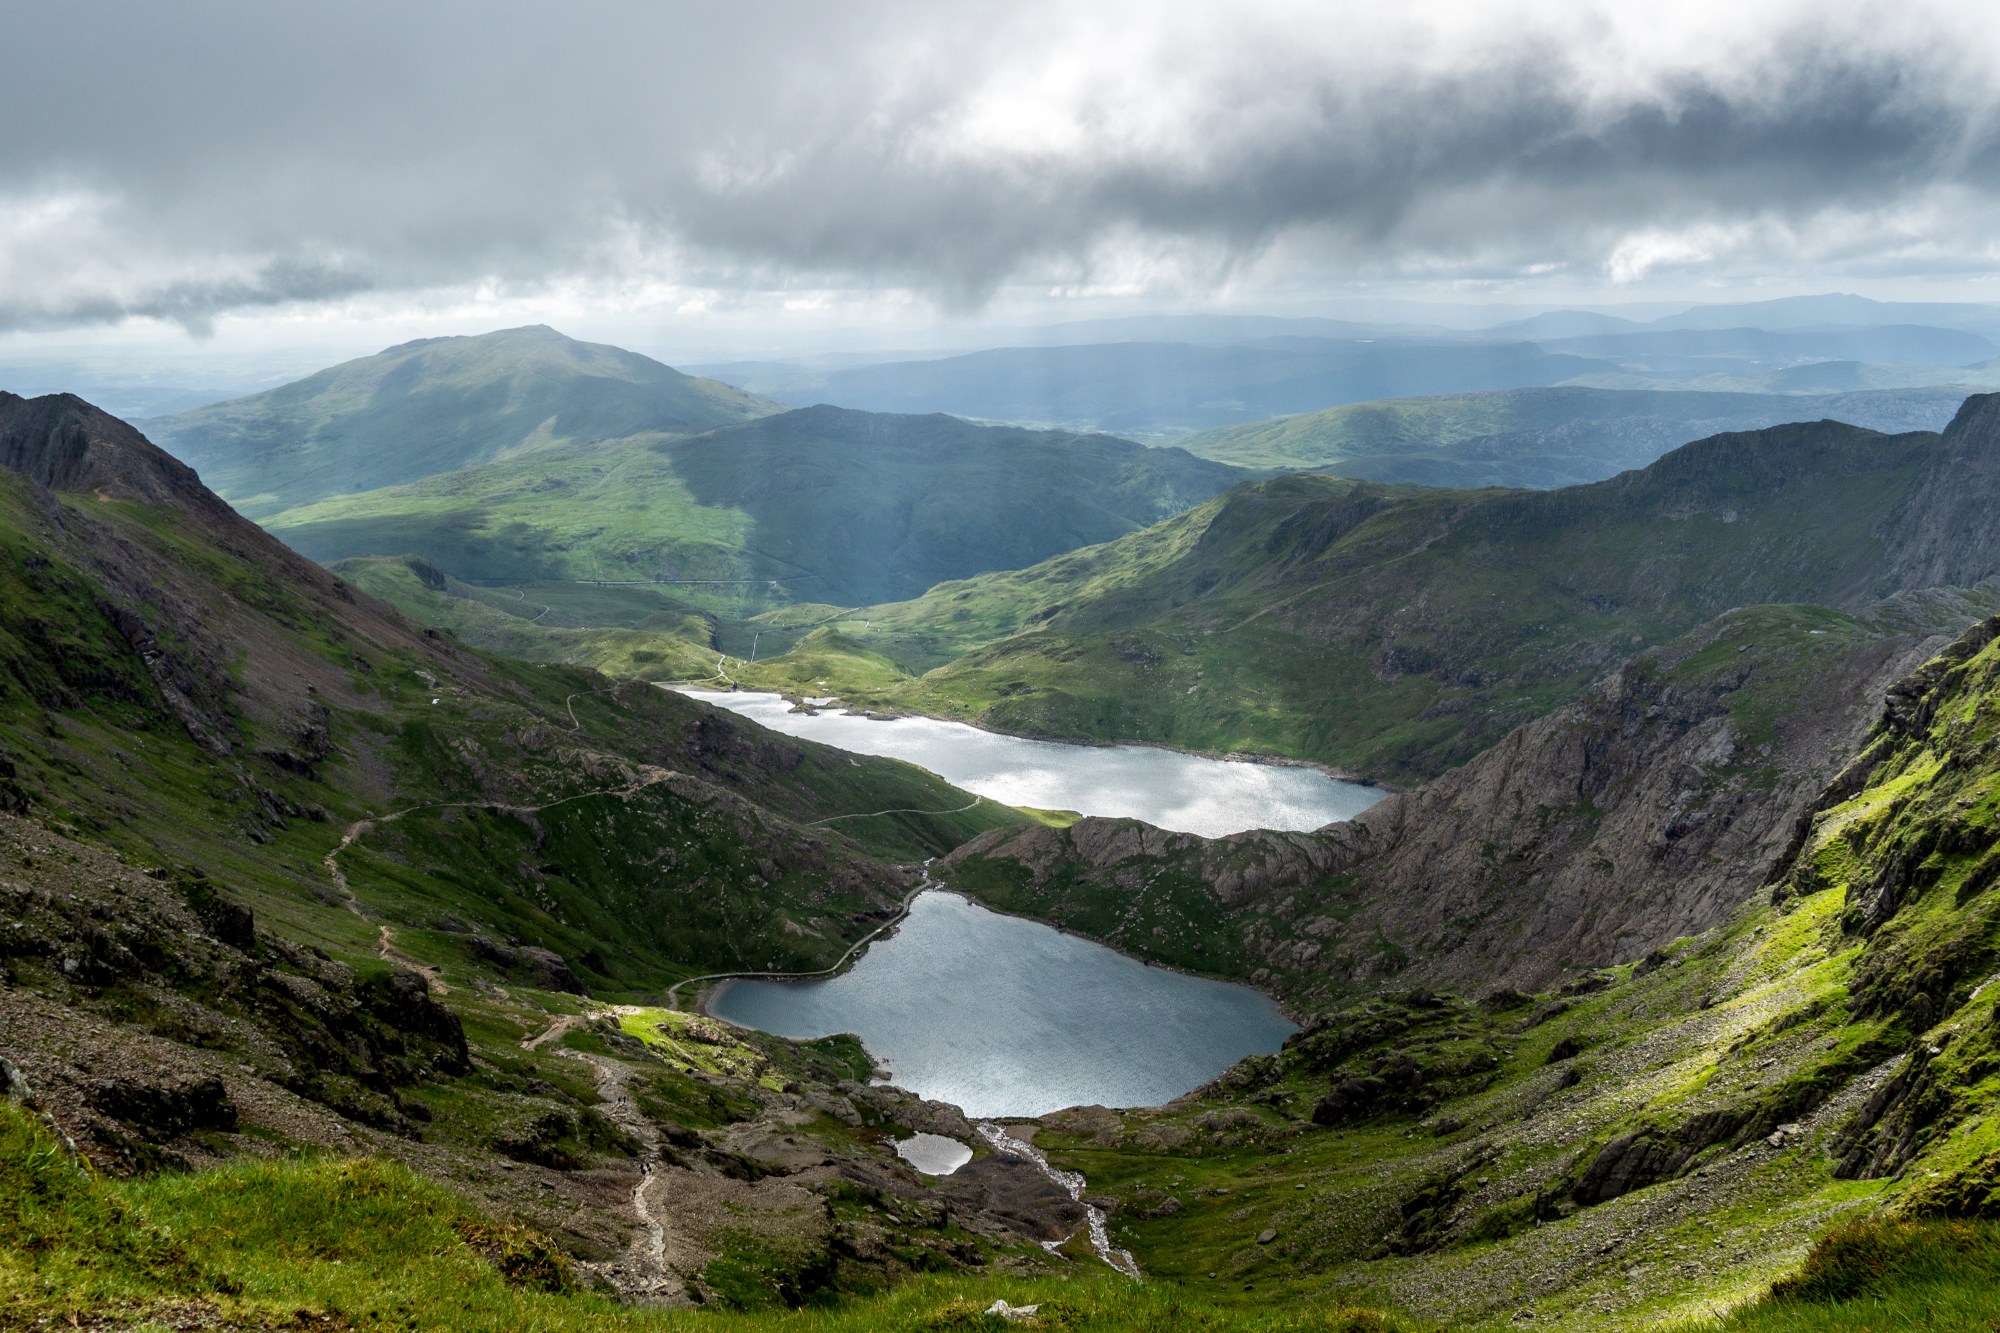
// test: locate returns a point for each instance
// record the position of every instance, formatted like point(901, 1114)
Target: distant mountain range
point(1541, 438)
point(437, 405)
point(1272, 368)
point(1165, 388)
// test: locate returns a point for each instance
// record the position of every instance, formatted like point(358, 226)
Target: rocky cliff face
point(66, 444)
point(1649, 810)
point(1945, 533)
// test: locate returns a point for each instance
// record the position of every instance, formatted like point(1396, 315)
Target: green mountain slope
point(437, 405)
point(1803, 1037)
point(184, 687)
point(1396, 633)
point(675, 643)
point(820, 505)
point(296, 899)
point(1546, 438)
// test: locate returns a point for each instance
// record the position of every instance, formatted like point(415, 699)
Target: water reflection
point(1006, 1017)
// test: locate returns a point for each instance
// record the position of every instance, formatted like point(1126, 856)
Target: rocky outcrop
point(66, 444)
point(544, 968)
point(95, 927)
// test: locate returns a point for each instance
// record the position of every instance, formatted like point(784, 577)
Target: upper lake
point(1183, 792)
point(1006, 1017)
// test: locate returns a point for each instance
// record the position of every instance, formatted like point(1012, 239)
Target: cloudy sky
point(217, 170)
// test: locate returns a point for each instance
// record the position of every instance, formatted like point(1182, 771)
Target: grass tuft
point(1876, 1253)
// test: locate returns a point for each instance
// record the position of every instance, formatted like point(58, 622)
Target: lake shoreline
point(702, 997)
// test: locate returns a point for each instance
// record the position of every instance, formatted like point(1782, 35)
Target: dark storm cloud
point(181, 162)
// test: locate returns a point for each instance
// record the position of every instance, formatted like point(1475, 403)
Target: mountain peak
point(439, 405)
point(67, 444)
point(539, 332)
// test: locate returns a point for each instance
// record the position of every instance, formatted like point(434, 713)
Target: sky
point(218, 177)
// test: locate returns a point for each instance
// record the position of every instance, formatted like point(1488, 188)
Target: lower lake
point(1006, 1017)
point(1183, 792)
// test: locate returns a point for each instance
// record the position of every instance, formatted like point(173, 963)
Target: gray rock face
point(909, 1110)
point(66, 444)
point(1945, 534)
point(553, 970)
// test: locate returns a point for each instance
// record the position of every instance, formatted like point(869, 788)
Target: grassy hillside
point(1394, 632)
point(662, 640)
point(437, 405)
point(1544, 438)
point(820, 505)
point(298, 899)
point(183, 688)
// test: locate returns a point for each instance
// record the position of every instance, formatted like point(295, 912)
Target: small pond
point(1007, 1017)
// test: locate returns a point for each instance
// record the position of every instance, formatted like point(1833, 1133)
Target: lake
point(1007, 1017)
point(1183, 792)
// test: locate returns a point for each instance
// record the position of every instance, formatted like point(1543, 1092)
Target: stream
point(1100, 1235)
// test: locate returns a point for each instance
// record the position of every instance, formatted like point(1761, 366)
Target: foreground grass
point(1886, 1273)
point(366, 1244)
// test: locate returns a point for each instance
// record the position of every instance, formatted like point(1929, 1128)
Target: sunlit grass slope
point(668, 641)
point(309, 1243)
point(359, 1243)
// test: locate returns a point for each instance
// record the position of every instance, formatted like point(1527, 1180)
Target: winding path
point(362, 826)
point(831, 819)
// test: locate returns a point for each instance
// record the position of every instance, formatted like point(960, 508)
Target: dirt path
point(332, 863)
point(558, 1025)
point(361, 827)
point(659, 1258)
point(386, 950)
point(958, 810)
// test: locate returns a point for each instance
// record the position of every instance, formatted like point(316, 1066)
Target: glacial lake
point(1006, 1017)
point(1183, 792)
